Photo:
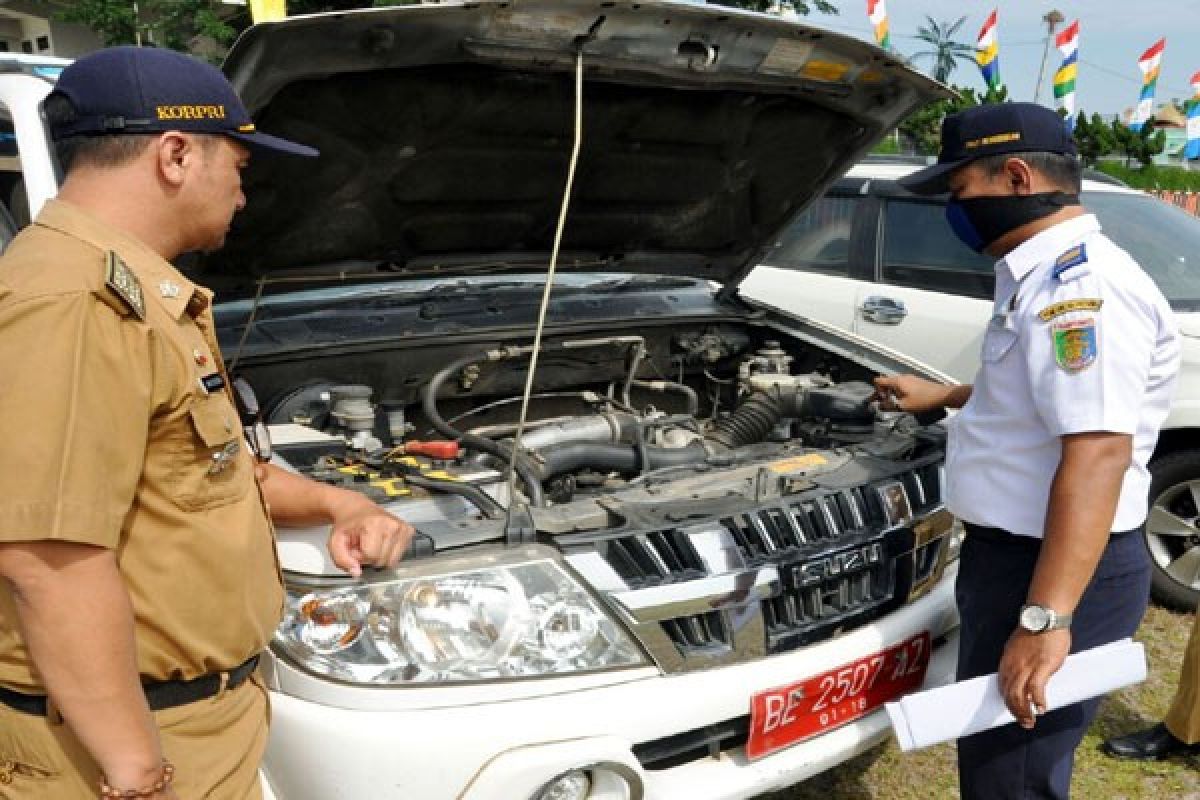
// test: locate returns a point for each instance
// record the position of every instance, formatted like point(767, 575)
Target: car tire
point(1173, 530)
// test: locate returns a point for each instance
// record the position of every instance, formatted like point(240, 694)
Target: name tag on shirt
point(212, 383)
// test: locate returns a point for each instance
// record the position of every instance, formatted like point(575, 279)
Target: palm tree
point(946, 52)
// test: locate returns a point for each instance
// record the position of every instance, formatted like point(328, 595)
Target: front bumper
point(504, 741)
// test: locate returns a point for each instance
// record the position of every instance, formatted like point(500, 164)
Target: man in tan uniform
point(139, 565)
point(1179, 732)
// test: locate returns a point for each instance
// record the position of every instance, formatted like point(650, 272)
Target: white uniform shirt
point(1080, 340)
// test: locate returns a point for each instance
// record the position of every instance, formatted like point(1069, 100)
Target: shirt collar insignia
point(1049, 244)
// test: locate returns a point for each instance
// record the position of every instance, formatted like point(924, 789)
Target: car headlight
point(492, 621)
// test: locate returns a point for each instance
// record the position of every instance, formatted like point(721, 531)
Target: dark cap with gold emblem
point(124, 90)
point(990, 130)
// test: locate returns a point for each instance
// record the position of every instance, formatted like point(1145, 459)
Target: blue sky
point(1114, 33)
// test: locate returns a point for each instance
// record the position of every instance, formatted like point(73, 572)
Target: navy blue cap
point(123, 90)
point(990, 130)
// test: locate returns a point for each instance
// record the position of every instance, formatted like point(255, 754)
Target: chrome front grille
point(771, 577)
point(699, 631)
point(924, 487)
point(653, 558)
point(797, 524)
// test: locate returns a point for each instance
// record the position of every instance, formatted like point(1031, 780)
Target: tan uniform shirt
point(110, 439)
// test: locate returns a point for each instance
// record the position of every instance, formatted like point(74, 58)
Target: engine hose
point(533, 486)
point(689, 394)
point(752, 421)
point(477, 497)
point(642, 449)
point(623, 458)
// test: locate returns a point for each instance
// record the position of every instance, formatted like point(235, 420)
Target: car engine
point(718, 398)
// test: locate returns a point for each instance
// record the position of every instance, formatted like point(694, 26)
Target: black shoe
point(1152, 743)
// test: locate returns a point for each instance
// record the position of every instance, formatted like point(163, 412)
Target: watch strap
point(1059, 621)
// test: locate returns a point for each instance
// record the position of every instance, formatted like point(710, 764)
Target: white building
point(31, 28)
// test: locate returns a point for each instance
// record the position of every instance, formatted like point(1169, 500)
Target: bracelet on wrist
point(164, 780)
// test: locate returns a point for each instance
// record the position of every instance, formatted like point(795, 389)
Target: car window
point(818, 240)
point(921, 251)
point(10, 178)
point(1163, 239)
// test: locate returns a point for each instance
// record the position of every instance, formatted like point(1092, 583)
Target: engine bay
point(655, 415)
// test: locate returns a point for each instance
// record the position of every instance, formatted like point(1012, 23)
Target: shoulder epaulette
point(119, 278)
point(1072, 258)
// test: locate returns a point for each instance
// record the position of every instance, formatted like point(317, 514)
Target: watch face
point(1034, 618)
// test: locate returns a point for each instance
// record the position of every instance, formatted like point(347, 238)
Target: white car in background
point(883, 263)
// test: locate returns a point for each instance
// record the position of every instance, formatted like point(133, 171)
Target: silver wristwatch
point(1039, 619)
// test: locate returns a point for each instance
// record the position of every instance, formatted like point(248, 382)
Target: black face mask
point(979, 221)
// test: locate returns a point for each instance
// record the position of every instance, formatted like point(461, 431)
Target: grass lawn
point(887, 774)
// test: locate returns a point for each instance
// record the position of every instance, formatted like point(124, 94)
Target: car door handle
point(883, 310)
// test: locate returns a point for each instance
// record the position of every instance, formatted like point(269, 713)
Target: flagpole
point(1052, 19)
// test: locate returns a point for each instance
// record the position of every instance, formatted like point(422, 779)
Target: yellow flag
point(267, 10)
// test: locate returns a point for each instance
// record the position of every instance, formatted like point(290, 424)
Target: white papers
point(290, 433)
point(960, 709)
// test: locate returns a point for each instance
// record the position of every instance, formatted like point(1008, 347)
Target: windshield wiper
point(485, 264)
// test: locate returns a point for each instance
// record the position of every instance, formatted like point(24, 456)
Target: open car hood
point(445, 134)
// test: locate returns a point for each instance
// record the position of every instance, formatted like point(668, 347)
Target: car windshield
point(1164, 239)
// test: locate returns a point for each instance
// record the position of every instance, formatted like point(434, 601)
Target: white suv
point(721, 558)
point(883, 263)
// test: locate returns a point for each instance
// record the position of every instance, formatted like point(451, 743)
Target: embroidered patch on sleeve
point(1072, 258)
point(1075, 344)
point(1067, 306)
point(120, 278)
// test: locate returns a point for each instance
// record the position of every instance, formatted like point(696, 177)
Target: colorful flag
point(267, 10)
point(1064, 80)
point(877, 13)
point(1150, 64)
point(987, 52)
point(1193, 122)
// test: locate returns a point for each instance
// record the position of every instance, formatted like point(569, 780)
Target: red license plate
point(785, 715)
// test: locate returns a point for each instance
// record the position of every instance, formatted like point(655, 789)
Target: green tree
point(923, 127)
point(945, 51)
point(1140, 145)
point(203, 26)
point(114, 20)
point(178, 24)
point(1094, 137)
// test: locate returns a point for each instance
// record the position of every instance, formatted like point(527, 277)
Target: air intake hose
point(623, 458)
point(752, 421)
point(762, 411)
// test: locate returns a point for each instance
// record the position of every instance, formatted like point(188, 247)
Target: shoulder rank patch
point(1075, 347)
point(1072, 258)
point(1067, 306)
point(120, 278)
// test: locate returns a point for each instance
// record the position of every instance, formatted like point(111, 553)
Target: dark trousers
point(1011, 763)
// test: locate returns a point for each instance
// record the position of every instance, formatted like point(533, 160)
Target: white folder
point(961, 709)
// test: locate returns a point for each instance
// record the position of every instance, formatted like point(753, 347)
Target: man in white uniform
point(1046, 462)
